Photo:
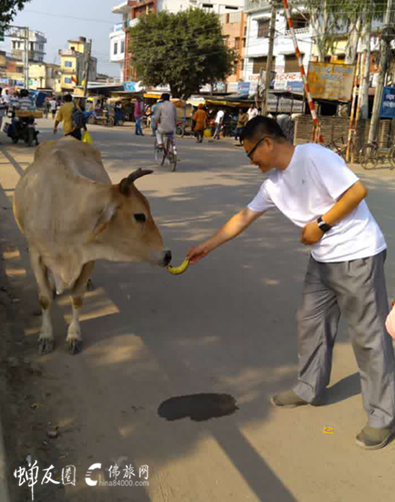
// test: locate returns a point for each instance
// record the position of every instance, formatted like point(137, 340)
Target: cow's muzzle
point(166, 258)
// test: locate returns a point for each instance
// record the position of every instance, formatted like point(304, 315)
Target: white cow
point(71, 215)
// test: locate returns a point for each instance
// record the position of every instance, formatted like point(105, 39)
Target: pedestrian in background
point(65, 115)
point(3, 108)
point(242, 120)
point(138, 115)
point(252, 112)
point(219, 118)
point(53, 106)
point(200, 121)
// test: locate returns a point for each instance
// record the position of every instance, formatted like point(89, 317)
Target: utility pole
point(87, 65)
point(387, 35)
point(26, 59)
point(269, 62)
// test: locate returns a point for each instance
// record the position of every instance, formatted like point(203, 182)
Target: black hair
point(67, 98)
point(165, 96)
point(260, 126)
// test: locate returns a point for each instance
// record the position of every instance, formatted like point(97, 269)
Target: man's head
point(6, 91)
point(165, 97)
point(264, 142)
point(67, 98)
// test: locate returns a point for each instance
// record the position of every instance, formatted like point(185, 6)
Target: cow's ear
point(104, 219)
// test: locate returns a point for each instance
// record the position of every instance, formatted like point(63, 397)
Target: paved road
point(225, 326)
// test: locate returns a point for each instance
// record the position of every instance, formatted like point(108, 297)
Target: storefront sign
point(243, 88)
point(129, 86)
point(331, 81)
point(387, 110)
point(277, 103)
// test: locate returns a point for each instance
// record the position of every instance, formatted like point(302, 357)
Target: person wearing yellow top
point(65, 115)
point(200, 119)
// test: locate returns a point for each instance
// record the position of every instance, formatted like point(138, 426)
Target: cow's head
point(126, 226)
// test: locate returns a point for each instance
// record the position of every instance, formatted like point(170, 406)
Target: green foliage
point(185, 50)
point(8, 10)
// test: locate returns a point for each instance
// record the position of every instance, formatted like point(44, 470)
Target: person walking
point(65, 115)
point(138, 115)
point(242, 120)
point(53, 104)
point(219, 118)
point(165, 119)
point(252, 112)
point(3, 108)
point(313, 187)
point(200, 121)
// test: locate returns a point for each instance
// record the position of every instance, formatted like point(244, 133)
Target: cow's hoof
point(45, 346)
point(75, 347)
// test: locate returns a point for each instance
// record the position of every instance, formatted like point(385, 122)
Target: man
point(242, 120)
point(65, 115)
point(252, 112)
point(138, 115)
point(313, 187)
point(219, 118)
point(200, 122)
point(24, 102)
point(153, 108)
point(165, 119)
point(53, 106)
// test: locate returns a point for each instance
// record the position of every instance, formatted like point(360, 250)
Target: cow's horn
point(132, 178)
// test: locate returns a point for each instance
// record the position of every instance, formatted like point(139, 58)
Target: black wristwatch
point(323, 226)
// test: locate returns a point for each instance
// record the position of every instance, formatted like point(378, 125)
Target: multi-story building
point(234, 29)
point(285, 62)
point(36, 45)
point(131, 10)
point(73, 64)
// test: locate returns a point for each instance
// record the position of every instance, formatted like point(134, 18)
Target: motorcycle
point(22, 128)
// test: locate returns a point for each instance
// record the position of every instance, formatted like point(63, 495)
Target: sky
point(63, 20)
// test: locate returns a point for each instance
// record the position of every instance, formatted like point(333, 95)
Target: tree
point(8, 10)
point(185, 51)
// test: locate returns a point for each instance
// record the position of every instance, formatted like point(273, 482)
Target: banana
point(179, 270)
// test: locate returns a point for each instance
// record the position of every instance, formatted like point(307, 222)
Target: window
point(31, 46)
point(122, 47)
point(242, 65)
point(115, 48)
point(263, 28)
point(67, 80)
point(237, 43)
point(300, 21)
point(68, 64)
point(291, 64)
point(260, 64)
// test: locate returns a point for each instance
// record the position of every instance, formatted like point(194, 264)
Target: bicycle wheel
point(368, 157)
point(172, 153)
point(160, 154)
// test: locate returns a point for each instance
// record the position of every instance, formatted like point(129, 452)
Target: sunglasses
point(250, 153)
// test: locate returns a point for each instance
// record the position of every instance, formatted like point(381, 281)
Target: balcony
point(67, 52)
point(251, 5)
point(68, 71)
point(298, 31)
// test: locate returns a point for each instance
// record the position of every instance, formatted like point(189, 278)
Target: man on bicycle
point(165, 119)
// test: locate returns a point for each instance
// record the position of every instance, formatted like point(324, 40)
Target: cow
point(71, 216)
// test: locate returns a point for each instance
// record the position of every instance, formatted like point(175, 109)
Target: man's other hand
point(311, 234)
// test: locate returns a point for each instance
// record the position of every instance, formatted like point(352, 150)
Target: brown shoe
point(371, 438)
point(287, 399)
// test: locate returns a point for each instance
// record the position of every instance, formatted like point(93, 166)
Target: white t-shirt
point(252, 113)
point(219, 117)
point(308, 188)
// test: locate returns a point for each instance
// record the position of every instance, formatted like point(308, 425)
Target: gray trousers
point(357, 290)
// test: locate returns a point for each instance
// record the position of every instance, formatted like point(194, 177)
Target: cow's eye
point(140, 217)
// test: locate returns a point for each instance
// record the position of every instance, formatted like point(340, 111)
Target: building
point(36, 45)
point(131, 10)
point(73, 64)
point(285, 62)
point(234, 29)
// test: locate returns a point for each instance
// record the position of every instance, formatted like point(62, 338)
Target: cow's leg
point(46, 343)
point(74, 338)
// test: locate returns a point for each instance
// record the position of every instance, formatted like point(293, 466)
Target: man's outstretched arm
point(232, 228)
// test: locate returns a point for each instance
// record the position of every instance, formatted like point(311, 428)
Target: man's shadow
point(347, 387)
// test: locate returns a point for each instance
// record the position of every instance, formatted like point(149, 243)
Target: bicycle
point(372, 154)
point(168, 151)
point(339, 148)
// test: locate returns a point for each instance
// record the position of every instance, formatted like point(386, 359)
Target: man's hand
point(311, 234)
point(55, 130)
point(196, 253)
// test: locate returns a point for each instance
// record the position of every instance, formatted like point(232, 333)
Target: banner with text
point(387, 110)
point(331, 81)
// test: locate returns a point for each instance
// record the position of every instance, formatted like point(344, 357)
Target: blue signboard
point(294, 86)
point(387, 110)
point(129, 86)
point(243, 88)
